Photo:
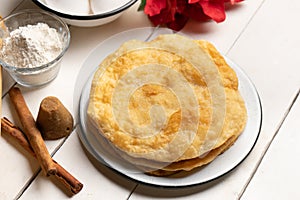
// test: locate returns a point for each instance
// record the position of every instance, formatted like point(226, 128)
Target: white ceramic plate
point(223, 164)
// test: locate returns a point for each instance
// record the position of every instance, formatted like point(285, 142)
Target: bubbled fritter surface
point(170, 104)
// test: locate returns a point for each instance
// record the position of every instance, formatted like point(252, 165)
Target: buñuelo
point(167, 105)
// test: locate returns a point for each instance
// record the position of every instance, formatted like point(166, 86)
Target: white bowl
point(85, 19)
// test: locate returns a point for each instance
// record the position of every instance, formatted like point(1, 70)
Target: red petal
point(215, 9)
point(233, 1)
point(178, 23)
point(154, 7)
point(193, 1)
point(181, 5)
point(166, 14)
point(195, 12)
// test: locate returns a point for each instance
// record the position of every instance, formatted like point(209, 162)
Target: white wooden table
point(261, 36)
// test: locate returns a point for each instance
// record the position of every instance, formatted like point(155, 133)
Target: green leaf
point(142, 5)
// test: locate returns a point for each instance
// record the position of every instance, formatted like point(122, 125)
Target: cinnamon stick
point(32, 132)
point(62, 175)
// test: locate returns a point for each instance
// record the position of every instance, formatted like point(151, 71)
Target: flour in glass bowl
point(31, 46)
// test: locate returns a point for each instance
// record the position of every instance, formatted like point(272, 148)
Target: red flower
point(175, 13)
point(214, 9)
point(153, 7)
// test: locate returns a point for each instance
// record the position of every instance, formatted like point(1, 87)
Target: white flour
point(31, 46)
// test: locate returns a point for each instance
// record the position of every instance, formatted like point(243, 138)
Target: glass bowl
point(34, 76)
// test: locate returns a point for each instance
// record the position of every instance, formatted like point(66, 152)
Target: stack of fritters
point(167, 105)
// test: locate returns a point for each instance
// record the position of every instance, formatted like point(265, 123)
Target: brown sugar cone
point(54, 120)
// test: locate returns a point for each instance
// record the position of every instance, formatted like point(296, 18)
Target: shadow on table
point(154, 191)
point(109, 173)
point(149, 190)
